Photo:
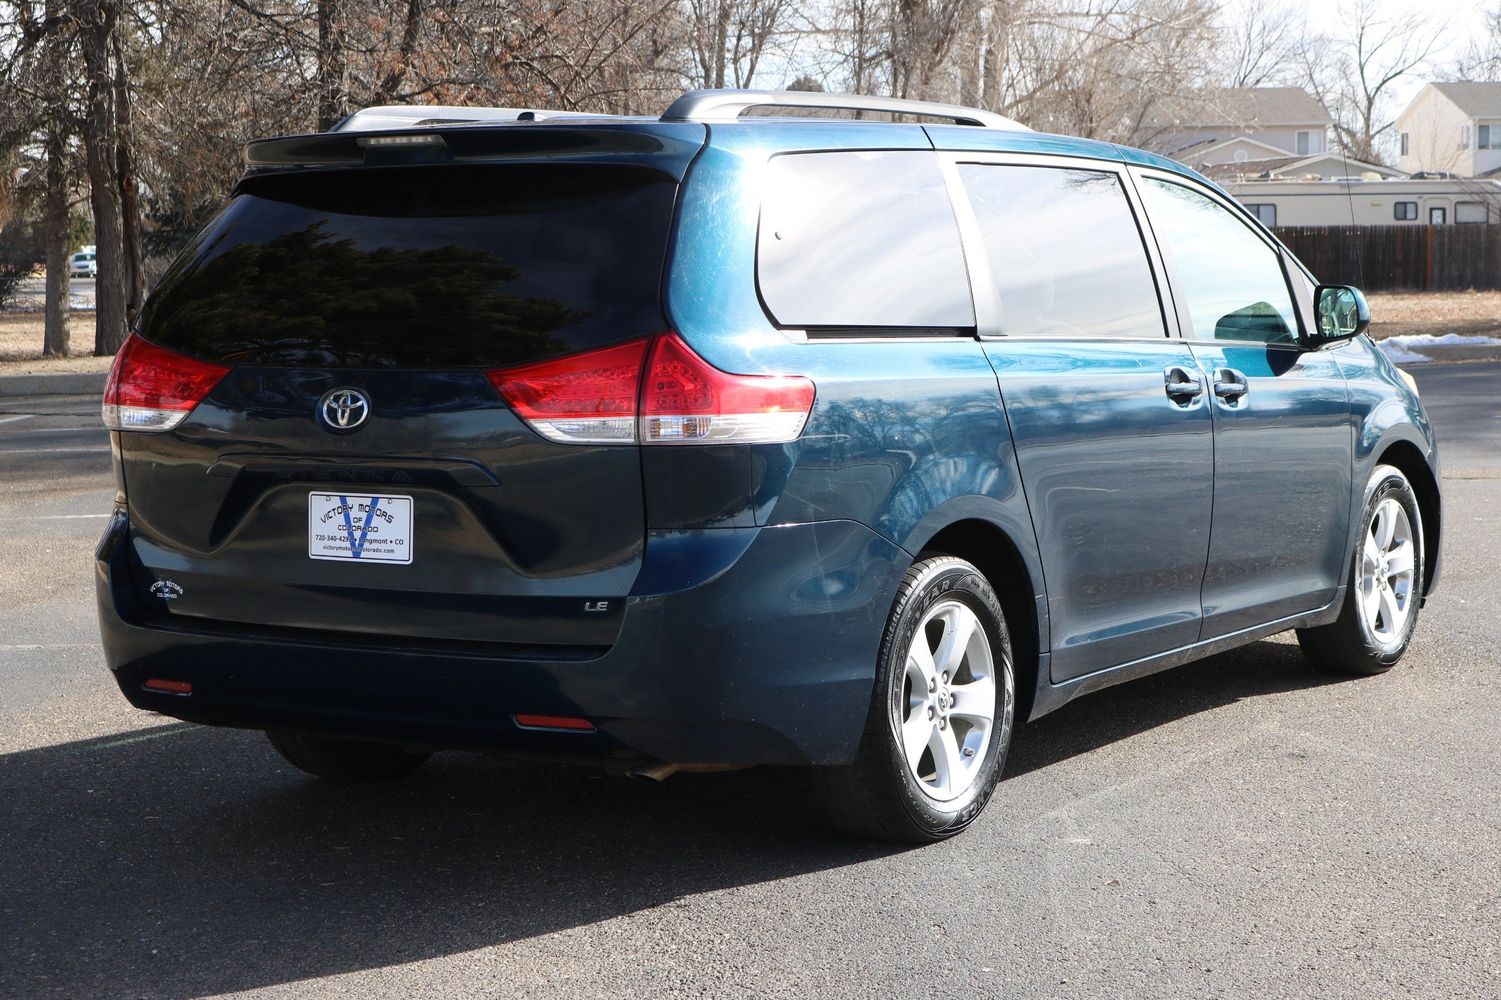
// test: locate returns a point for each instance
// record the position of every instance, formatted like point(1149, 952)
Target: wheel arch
point(1408, 457)
point(1023, 598)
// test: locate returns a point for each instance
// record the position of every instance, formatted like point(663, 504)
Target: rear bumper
point(739, 646)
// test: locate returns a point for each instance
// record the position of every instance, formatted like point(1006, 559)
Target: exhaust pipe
point(659, 771)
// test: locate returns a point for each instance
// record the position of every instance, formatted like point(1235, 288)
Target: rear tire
point(1385, 585)
point(940, 720)
point(344, 760)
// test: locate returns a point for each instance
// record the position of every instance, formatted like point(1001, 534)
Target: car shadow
point(180, 861)
point(1097, 720)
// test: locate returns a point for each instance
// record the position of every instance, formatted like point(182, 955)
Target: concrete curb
point(53, 384)
point(1453, 355)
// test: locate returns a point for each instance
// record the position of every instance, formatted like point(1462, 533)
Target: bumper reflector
point(163, 686)
point(567, 723)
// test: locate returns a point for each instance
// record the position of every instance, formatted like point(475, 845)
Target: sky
point(1460, 22)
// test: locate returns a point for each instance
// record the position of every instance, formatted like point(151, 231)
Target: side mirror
point(1341, 311)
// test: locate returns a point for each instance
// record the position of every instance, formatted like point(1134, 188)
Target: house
point(1241, 124)
point(1325, 166)
point(1452, 128)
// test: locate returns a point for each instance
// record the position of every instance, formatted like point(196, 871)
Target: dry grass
point(21, 346)
point(1398, 313)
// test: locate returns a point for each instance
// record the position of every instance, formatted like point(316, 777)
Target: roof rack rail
point(729, 105)
point(394, 116)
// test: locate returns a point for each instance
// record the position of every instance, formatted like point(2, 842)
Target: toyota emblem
point(344, 409)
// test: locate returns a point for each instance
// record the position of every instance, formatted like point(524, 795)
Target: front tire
point(1385, 586)
point(344, 760)
point(941, 717)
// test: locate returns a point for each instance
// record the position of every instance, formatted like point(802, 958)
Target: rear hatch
point(355, 467)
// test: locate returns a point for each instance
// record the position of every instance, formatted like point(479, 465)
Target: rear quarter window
point(861, 239)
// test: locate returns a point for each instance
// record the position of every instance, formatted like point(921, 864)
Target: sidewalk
point(52, 384)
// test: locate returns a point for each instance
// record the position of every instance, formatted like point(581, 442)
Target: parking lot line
point(53, 451)
point(57, 517)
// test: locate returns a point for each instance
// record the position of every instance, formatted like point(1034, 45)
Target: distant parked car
point(83, 264)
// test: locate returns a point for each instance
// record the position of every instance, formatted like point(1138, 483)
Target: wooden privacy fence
point(1413, 258)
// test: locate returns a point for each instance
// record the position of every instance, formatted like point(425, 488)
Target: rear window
point(859, 240)
point(447, 266)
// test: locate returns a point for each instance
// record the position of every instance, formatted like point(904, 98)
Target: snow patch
point(1400, 350)
point(1399, 355)
point(1447, 340)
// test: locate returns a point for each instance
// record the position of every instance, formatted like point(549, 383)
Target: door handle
point(1181, 384)
point(1230, 385)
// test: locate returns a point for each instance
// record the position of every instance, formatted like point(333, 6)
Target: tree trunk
point(56, 335)
point(130, 200)
point(330, 65)
point(56, 332)
point(96, 20)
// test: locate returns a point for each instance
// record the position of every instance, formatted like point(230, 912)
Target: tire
point(344, 760)
point(1380, 609)
point(883, 797)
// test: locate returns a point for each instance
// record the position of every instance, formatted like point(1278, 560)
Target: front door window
point(1231, 277)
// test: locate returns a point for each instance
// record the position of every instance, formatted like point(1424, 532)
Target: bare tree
point(1481, 60)
point(1259, 43)
point(125, 176)
point(729, 37)
point(97, 20)
point(1352, 73)
point(53, 84)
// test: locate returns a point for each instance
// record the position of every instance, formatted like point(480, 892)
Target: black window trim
point(1397, 209)
point(1302, 304)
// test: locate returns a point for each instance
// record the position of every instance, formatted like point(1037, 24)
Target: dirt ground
point(1438, 313)
point(21, 346)
point(1392, 314)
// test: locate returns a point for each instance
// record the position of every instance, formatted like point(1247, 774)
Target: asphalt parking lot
point(32, 293)
point(1241, 827)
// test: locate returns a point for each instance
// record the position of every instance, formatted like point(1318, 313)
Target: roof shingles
point(1478, 100)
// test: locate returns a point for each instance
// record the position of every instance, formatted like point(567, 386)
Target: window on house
point(1464, 137)
point(1267, 213)
point(1405, 211)
point(1483, 135)
point(1404, 143)
point(1303, 140)
point(1470, 211)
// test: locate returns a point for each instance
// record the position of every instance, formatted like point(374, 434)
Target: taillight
point(685, 400)
point(153, 389)
point(582, 399)
point(655, 391)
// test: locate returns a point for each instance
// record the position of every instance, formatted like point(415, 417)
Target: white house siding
point(1185, 144)
point(1487, 159)
point(1434, 127)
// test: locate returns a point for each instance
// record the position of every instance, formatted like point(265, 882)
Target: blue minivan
point(749, 434)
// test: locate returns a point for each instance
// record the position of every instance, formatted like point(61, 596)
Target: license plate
point(346, 526)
